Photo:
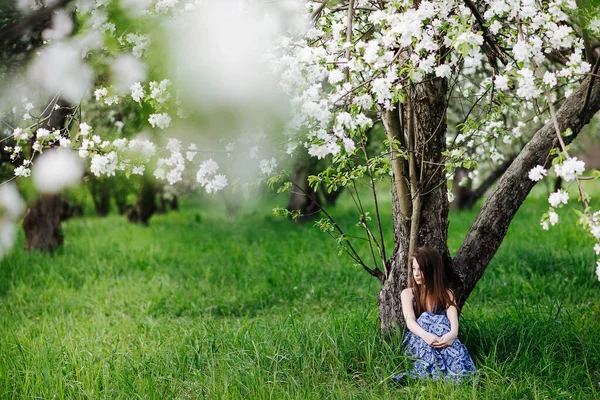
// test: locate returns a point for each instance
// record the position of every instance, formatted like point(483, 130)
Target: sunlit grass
point(256, 307)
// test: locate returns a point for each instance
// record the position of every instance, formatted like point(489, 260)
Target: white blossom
point(159, 92)
point(216, 184)
point(501, 82)
point(22, 171)
point(64, 142)
point(20, 134)
point(550, 79)
point(268, 166)
point(559, 197)
point(139, 42)
point(137, 92)
point(443, 71)
point(100, 93)
point(104, 165)
point(84, 129)
point(349, 145)
point(527, 87)
point(537, 173)
point(335, 76)
point(207, 168)
point(570, 169)
point(42, 133)
point(553, 218)
point(162, 121)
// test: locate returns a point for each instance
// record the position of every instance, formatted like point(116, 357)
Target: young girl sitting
point(432, 323)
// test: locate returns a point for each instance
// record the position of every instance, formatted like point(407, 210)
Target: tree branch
point(391, 122)
point(492, 222)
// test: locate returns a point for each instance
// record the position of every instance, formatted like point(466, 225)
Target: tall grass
point(201, 305)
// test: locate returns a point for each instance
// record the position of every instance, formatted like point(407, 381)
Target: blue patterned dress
point(451, 363)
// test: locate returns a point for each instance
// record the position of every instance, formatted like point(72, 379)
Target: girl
point(432, 323)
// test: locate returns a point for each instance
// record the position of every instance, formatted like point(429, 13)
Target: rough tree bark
point(428, 102)
point(41, 223)
point(145, 205)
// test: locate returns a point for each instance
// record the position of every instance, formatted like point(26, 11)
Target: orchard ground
point(203, 305)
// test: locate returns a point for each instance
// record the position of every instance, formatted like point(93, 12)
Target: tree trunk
point(146, 203)
point(174, 203)
point(303, 198)
point(41, 223)
point(43, 231)
point(428, 100)
point(121, 201)
point(490, 226)
point(331, 197)
point(100, 191)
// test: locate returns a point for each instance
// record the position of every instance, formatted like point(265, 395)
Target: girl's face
point(417, 272)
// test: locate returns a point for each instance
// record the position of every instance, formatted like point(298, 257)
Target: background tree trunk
point(302, 197)
point(465, 197)
point(43, 231)
point(41, 223)
point(100, 191)
point(146, 203)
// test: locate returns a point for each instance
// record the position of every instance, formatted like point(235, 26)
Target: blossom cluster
point(570, 169)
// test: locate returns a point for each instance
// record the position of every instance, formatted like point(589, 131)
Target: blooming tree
point(515, 64)
point(455, 84)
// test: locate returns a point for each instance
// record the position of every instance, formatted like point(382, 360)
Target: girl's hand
point(445, 341)
point(431, 339)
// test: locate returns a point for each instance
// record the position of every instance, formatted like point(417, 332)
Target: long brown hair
point(435, 284)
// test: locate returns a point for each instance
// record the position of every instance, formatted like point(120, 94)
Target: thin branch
point(589, 87)
point(349, 38)
point(486, 33)
point(377, 214)
point(376, 272)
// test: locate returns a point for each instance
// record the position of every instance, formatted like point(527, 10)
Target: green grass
point(256, 307)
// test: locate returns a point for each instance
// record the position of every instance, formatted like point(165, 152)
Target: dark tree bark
point(331, 197)
point(70, 210)
point(146, 203)
point(174, 203)
point(100, 191)
point(428, 100)
point(43, 231)
point(303, 198)
point(121, 201)
point(41, 223)
point(166, 203)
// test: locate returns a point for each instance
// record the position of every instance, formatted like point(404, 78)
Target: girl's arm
point(447, 339)
point(411, 323)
